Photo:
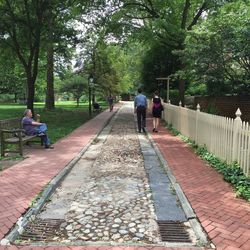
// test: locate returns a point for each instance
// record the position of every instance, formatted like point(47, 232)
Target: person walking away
point(157, 109)
point(140, 107)
point(111, 103)
point(33, 127)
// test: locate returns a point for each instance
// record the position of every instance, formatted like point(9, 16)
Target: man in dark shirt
point(140, 107)
point(32, 127)
point(111, 101)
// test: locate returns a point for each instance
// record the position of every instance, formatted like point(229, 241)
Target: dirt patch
point(12, 159)
point(5, 164)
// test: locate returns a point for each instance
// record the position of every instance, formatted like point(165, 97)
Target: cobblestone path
point(107, 197)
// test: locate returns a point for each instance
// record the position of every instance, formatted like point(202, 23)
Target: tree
point(59, 34)
point(76, 86)
point(158, 62)
point(117, 67)
point(165, 22)
point(12, 80)
point(21, 25)
point(218, 51)
point(30, 27)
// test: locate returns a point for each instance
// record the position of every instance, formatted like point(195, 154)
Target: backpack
point(158, 106)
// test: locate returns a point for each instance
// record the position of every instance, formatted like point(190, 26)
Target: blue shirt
point(140, 100)
point(27, 126)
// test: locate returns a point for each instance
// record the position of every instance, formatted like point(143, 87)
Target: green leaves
point(217, 51)
point(75, 85)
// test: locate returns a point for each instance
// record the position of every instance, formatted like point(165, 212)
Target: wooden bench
point(11, 133)
point(97, 107)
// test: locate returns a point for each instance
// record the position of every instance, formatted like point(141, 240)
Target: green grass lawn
point(61, 121)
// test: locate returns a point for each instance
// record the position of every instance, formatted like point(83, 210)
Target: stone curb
point(48, 191)
point(191, 216)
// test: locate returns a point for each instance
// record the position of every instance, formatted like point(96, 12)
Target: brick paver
point(224, 217)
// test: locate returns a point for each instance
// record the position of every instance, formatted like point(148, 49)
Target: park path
point(105, 197)
point(225, 218)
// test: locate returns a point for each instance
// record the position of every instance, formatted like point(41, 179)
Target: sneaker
point(144, 131)
point(49, 147)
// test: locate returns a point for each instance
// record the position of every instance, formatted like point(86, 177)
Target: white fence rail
point(227, 138)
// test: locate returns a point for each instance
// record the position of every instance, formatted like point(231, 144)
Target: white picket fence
point(227, 138)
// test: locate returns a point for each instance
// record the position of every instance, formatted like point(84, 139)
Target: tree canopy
point(202, 44)
point(217, 52)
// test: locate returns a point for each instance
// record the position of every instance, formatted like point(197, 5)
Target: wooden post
point(179, 118)
point(236, 128)
point(2, 143)
point(20, 144)
point(168, 79)
point(198, 109)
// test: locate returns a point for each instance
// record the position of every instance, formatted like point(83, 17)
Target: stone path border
point(191, 216)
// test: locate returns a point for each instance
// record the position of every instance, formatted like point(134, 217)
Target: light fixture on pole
point(90, 83)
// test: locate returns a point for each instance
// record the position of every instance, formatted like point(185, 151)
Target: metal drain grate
point(173, 231)
point(42, 230)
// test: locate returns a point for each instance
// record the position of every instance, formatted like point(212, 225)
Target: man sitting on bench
point(97, 106)
point(32, 127)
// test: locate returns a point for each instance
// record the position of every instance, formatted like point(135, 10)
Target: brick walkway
point(225, 218)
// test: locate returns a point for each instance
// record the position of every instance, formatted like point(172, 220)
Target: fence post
point(179, 117)
point(198, 109)
point(236, 128)
point(163, 112)
point(166, 112)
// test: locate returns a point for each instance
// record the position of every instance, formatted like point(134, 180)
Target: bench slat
point(16, 139)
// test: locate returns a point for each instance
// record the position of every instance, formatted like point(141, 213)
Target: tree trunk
point(182, 91)
point(93, 97)
point(94, 75)
point(31, 93)
point(185, 13)
point(50, 98)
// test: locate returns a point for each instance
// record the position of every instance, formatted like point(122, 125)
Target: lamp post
point(90, 83)
point(160, 85)
point(168, 81)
